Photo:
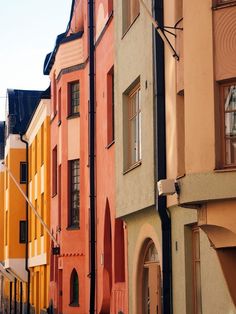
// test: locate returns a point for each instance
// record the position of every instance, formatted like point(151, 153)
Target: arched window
point(74, 289)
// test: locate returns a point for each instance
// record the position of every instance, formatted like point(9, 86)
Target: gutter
point(27, 226)
point(160, 156)
point(92, 227)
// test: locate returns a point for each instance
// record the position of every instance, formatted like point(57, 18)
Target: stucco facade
point(194, 151)
point(38, 138)
point(67, 67)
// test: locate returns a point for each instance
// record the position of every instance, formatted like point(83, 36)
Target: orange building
point(111, 271)
point(67, 67)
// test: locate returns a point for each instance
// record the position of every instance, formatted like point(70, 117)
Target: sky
point(28, 30)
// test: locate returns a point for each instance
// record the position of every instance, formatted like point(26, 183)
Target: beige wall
point(135, 189)
point(215, 295)
point(141, 226)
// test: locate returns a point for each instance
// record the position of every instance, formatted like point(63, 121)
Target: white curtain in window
point(230, 117)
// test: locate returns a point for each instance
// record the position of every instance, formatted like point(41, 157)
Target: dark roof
point(61, 38)
point(2, 139)
point(21, 106)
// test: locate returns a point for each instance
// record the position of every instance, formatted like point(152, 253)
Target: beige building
point(196, 94)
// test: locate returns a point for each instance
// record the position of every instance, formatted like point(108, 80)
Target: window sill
point(110, 144)
point(74, 305)
point(73, 116)
point(230, 169)
point(137, 164)
point(71, 228)
point(127, 30)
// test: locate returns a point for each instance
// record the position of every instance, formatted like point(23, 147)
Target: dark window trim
point(54, 171)
point(71, 225)
point(23, 231)
point(69, 107)
point(222, 85)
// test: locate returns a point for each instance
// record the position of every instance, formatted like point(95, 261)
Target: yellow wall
point(14, 205)
point(38, 136)
point(1, 214)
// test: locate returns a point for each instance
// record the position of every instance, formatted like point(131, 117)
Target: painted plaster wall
point(215, 295)
point(141, 226)
point(70, 135)
point(199, 87)
point(133, 59)
point(1, 213)
point(16, 206)
point(38, 133)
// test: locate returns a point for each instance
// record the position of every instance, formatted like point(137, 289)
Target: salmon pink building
point(67, 67)
point(111, 271)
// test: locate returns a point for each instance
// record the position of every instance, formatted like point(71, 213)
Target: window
point(54, 171)
point(42, 144)
point(132, 124)
point(74, 98)
point(35, 221)
point(130, 9)
point(74, 289)
point(196, 271)
point(110, 107)
point(228, 109)
point(35, 154)
point(74, 177)
point(30, 163)
point(23, 172)
point(23, 231)
point(59, 107)
point(42, 214)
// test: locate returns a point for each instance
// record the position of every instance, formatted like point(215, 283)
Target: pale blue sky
point(28, 30)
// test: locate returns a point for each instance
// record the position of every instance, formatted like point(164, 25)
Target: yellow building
point(38, 138)
point(20, 107)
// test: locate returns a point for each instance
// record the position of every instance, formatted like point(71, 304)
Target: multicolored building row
point(117, 183)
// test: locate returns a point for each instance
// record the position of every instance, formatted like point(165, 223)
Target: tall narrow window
point(110, 107)
point(23, 172)
point(59, 195)
point(74, 177)
point(35, 221)
point(59, 107)
point(42, 144)
point(54, 171)
point(130, 10)
point(228, 105)
point(133, 127)
point(74, 98)
point(35, 154)
point(196, 271)
point(74, 289)
point(30, 163)
point(42, 214)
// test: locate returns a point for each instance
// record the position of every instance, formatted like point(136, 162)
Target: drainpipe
point(27, 227)
point(160, 153)
point(92, 157)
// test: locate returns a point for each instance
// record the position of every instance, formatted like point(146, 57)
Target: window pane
point(230, 148)
point(75, 97)
point(75, 195)
point(134, 129)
